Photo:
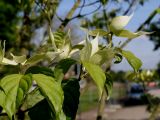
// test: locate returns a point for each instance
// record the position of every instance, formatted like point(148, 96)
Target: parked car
point(136, 91)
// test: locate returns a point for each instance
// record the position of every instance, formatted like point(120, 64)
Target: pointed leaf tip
point(118, 23)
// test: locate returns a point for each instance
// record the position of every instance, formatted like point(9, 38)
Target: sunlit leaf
point(64, 52)
point(100, 32)
point(94, 44)
point(118, 23)
point(8, 99)
point(132, 60)
point(52, 55)
point(24, 85)
point(35, 59)
point(6, 61)
point(129, 34)
point(32, 99)
point(102, 56)
point(19, 59)
point(52, 39)
point(75, 49)
point(97, 75)
point(51, 90)
point(86, 51)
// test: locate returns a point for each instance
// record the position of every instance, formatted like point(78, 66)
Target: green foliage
point(40, 90)
point(41, 111)
point(19, 59)
point(86, 51)
point(40, 70)
point(71, 90)
point(35, 59)
point(100, 32)
point(132, 60)
point(47, 85)
point(10, 85)
point(24, 86)
point(102, 56)
point(97, 74)
point(118, 58)
point(62, 67)
point(108, 85)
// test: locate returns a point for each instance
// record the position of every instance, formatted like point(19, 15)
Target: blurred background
point(23, 27)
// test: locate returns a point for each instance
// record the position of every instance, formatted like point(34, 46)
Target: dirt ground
point(118, 113)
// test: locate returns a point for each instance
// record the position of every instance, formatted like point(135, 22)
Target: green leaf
point(35, 59)
point(52, 39)
point(62, 68)
point(118, 58)
point(6, 61)
point(132, 60)
point(75, 49)
point(100, 32)
point(19, 59)
point(32, 99)
point(97, 75)
point(86, 51)
point(102, 56)
point(94, 44)
point(10, 85)
point(41, 111)
point(129, 34)
point(118, 23)
point(51, 90)
point(71, 97)
point(109, 85)
point(52, 55)
point(24, 86)
point(40, 70)
point(66, 48)
point(59, 37)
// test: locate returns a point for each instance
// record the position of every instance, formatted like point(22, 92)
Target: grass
point(89, 98)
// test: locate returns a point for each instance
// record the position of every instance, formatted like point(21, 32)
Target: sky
point(142, 47)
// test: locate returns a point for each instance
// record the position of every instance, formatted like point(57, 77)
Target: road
point(117, 113)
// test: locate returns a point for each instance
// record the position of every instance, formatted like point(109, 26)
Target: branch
point(130, 6)
point(148, 20)
point(78, 16)
point(70, 14)
point(89, 4)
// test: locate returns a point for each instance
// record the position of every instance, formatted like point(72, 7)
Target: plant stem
point(101, 106)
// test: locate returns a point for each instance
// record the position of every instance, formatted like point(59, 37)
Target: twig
point(89, 4)
point(130, 6)
point(101, 106)
point(70, 14)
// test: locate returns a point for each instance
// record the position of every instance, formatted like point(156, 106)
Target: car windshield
point(137, 89)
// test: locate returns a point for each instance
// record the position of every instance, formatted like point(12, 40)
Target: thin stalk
point(101, 106)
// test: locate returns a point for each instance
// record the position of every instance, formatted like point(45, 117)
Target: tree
point(54, 57)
